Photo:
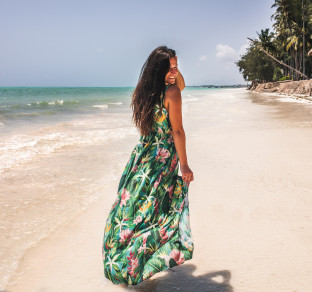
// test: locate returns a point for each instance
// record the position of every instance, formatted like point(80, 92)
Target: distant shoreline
point(220, 86)
point(205, 86)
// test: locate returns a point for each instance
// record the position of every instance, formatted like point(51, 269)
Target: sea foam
point(21, 148)
point(101, 106)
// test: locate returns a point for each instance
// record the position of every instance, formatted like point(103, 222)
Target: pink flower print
point(156, 207)
point(181, 207)
point(135, 169)
point(133, 264)
point(173, 162)
point(178, 256)
point(170, 140)
point(125, 196)
point(159, 130)
point(163, 235)
point(162, 154)
point(137, 220)
point(170, 190)
point(125, 235)
point(156, 183)
point(143, 247)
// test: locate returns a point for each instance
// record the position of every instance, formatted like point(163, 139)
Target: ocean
point(38, 120)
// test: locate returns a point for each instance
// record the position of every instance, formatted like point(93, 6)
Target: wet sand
point(250, 205)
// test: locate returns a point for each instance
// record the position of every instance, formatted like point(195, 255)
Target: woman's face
point(173, 71)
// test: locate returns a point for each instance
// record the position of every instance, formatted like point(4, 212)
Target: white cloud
point(242, 50)
point(225, 53)
point(203, 58)
point(228, 55)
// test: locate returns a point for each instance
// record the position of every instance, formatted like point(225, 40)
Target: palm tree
point(303, 37)
point(292, 19)
point(281, 24)
point(266, 39)
point(287, 45)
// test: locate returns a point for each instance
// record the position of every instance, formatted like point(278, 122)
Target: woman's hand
point(180, 81)
point(187, 174)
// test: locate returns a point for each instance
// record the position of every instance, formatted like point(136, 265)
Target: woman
point(147, 230)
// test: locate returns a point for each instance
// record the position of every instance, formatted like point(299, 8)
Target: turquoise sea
point(20, 106)
point(41, 120)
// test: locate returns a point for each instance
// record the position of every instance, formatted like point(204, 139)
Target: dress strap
point(167, 86)
point(163, 96)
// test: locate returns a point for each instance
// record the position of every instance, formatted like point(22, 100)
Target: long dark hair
point(150, 87)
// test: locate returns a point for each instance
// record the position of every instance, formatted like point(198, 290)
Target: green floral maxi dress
point(148, 228)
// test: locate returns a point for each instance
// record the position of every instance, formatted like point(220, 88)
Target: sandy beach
point(250, 203)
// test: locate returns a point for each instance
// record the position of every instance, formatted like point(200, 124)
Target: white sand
point(250, 207)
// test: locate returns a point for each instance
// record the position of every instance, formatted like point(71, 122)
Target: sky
point(105, 43)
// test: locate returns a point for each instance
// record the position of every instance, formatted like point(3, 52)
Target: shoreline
point(294, 97)
point(249, 206)
point(301, 89)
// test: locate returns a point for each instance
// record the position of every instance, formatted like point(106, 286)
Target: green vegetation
point(283, 53)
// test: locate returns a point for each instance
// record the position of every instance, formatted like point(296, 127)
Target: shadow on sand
point(181, 278)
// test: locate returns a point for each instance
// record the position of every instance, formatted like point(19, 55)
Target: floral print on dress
point(148, 228)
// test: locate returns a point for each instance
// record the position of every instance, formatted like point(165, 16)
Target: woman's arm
point(174, 99)
point(180, 81)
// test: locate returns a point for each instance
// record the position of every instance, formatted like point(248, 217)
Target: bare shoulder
point(173, 94)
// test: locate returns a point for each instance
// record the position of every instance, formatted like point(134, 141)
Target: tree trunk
point(280, 62)
point(296, 65)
